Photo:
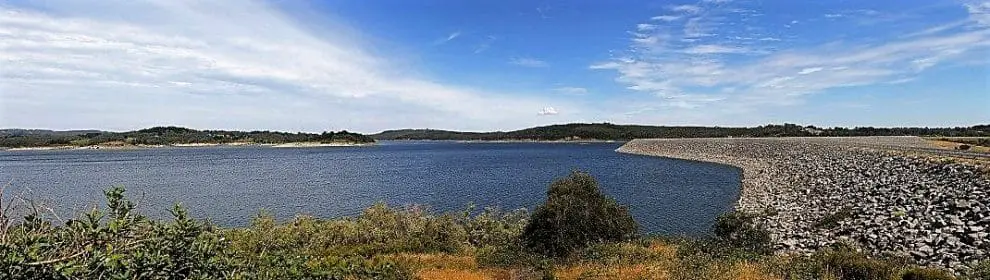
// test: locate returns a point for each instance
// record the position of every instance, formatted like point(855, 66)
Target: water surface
point(231, 184)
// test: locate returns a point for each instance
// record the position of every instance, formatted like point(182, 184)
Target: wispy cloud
point(453, 36)
point(109, 66)
point(691, 9)
point(485, 44)
point(810, 70)
point(696, 66)
point(528, 62)
point(716, 49)
point(571, 90)
point(666, 18)
point(450, 37)
point(547, 111)
point(979, 12)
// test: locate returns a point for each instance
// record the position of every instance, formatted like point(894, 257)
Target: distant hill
point(607, 131)
point(25, 132)
point(166, 135)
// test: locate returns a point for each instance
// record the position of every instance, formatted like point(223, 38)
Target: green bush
point(378, 230)
point(506, 255)
point(919, 273)
point(740, 232)
point(492, 227)
point(848, 264)
point(118, 244)
point(576, 214)
point(121, 244)
point(979, 271)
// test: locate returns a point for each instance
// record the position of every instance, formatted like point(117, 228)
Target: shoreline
point(935, 212)
point(186, 145)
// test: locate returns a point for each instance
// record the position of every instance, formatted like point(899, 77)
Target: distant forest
point(166, 135)
point(607, 131)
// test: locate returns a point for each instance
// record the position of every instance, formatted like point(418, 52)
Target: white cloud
point(979, 12)
point(117, 65)
point(697, 67)
point(528, 62)
point(691, 9)
point(667, 18)
point(810, 70)
point(450, 37)
point(547, 111)
point(571, 90)
point(453, 36)
point(715, 49)
point(833, 15)
point(901, 81)
point(698, 27)
point(645, 27)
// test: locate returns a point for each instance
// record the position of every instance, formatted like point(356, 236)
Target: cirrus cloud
point(117, 65)
point(714, 59)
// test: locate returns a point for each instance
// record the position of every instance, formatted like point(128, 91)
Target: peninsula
point(171, 136)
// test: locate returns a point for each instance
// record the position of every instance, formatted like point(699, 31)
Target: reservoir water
point(229, 185)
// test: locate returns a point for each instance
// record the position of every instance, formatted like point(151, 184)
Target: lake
point(229, 185)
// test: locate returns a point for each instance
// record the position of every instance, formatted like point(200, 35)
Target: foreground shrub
point(846, 263)
point(617, 253)
point(118, 244)
point(918, 273)
point(506, 256)
point(492, 227)
point(739, 230)
point(576, 214)
point(979, 271)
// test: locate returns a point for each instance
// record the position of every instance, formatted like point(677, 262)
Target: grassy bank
point(387, 242)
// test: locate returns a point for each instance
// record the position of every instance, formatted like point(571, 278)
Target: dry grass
point(748, 271)
point(438, 261)
point(623, 272)
point(432, 273)
point(663, 265)
point(954, 145)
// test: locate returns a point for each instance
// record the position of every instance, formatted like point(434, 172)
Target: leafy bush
point(506, 256)
point(738, 230)
point(121, 244)
point(918, 273)
point(492, 227)
point(979, 271)
point(118, 244)
point(846, 263)
point(576, 214)
point(378, 230)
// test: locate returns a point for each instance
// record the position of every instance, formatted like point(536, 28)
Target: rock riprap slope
point(818, 191)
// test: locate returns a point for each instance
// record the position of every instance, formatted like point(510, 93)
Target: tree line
point(608, 131)
point(170, 135)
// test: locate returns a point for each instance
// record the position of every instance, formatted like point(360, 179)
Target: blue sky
point(491, 65)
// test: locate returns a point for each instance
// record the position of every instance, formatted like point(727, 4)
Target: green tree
point(576, 214)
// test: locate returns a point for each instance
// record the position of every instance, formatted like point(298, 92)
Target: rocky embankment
point(819, 191)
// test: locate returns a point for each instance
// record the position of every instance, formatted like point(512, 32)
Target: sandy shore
point(936, 212)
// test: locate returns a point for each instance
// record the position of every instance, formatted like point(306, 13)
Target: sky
point(369, 66)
